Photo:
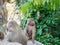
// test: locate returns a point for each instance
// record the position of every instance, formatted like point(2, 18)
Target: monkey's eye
point(31, 24)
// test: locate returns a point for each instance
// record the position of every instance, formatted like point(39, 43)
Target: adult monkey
point(30, 29)
point(15, 34)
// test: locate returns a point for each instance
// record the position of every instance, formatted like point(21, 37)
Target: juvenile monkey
point(15, 34)
point(30, 29)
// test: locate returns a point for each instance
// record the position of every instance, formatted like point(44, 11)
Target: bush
point(47, 24)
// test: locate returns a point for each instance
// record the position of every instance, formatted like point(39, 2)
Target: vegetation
point(48, 24)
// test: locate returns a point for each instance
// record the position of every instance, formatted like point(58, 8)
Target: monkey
point(30, 29)
point(15, 34)
point(1, 36)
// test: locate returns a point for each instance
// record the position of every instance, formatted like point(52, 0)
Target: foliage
point(49, 40)
point(19, 2)
point(48, 25)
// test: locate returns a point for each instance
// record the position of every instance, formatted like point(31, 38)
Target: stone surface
point(9, 43)
point(36, 43)
point(16, 43)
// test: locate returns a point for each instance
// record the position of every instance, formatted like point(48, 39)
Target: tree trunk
point(3, 15)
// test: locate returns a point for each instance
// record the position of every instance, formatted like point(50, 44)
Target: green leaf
point(25, 7)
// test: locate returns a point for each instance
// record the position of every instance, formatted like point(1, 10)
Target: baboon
point(15, 33)
point(1, 36)
point(30, 29)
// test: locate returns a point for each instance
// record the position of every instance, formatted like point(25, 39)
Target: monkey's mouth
point(29, 34)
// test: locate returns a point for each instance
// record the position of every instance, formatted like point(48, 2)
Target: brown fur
point(30, 29)
point(16, 34)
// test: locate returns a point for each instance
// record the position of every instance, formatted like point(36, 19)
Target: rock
point(36, 43)
point(9, 43)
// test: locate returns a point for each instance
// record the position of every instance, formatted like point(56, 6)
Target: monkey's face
point(10, 29)
point(30, 22)
point(11, 26)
